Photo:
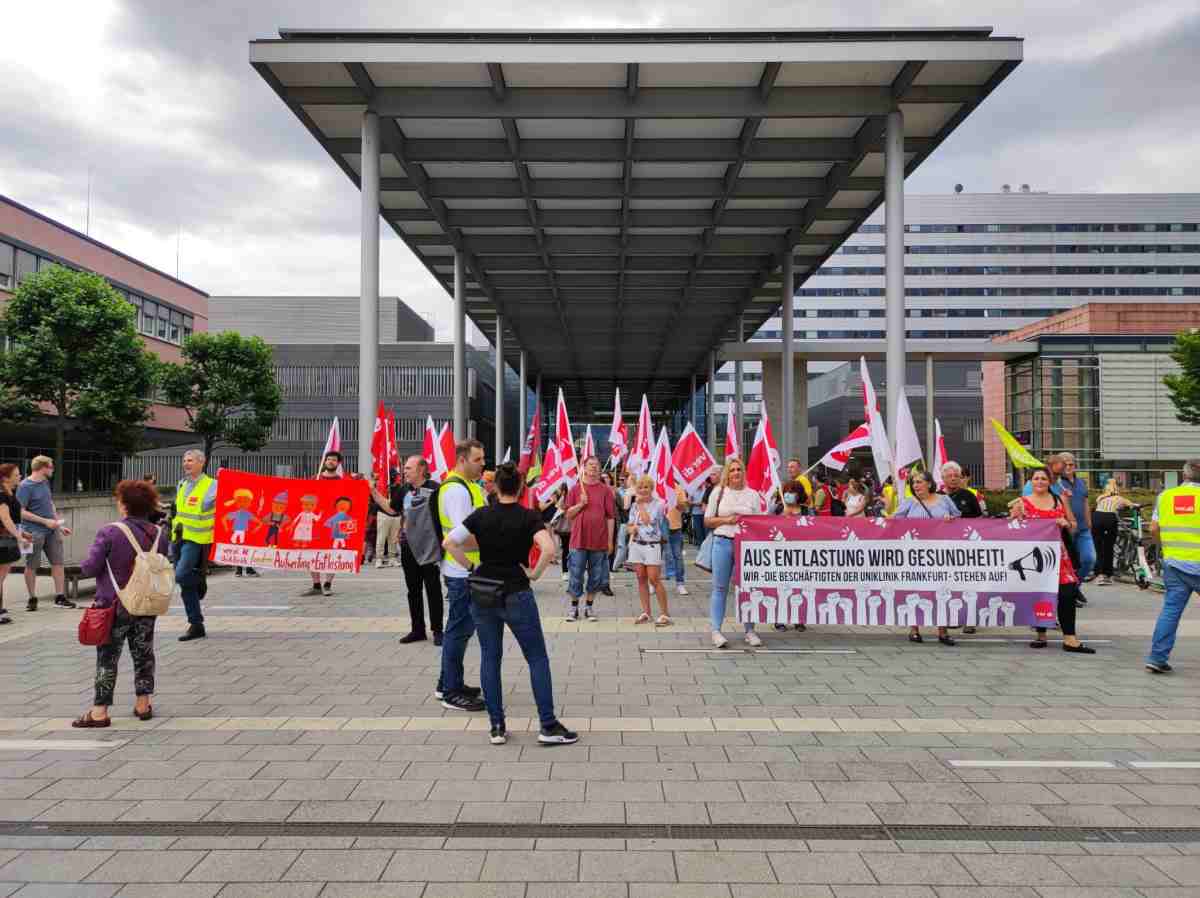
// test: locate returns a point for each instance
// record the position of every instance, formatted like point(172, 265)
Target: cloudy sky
point(157, 100)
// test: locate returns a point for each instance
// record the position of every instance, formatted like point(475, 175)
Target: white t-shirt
point(455, 500)
point(743, 501)
point(656, 510)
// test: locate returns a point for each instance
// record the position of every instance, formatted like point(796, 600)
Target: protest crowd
point(471, 542)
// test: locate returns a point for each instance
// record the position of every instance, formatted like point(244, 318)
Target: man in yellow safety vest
point(1177, 526)
point(192, 534)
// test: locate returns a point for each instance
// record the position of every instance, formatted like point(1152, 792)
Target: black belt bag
point(486, 592)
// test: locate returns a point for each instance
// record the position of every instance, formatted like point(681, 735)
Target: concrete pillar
point(692, 416)
point(500, 440)
point(894, 255)
point(460, 348)
point(772, 393)
point(368, 302)
point(710, 413)
point(800, 445)
point(930, 434)
point(786, 436)
point(522, 402)
point(739, 392)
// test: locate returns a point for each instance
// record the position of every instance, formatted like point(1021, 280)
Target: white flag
point(908, 445)
point(880, 448)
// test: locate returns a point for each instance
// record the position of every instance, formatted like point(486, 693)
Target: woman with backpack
point(112, 561)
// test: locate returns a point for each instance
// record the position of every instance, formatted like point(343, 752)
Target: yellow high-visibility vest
point(1179, 522)
point(189, 509)
point(477, 500)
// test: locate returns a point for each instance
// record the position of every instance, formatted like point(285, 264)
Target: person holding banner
point(1044, 504)
point(647, 517)
point(927, 505)
point(729, 502)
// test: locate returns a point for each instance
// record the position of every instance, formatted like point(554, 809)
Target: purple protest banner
point(897, 572)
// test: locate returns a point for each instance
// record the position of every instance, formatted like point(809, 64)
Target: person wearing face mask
point(793, 506)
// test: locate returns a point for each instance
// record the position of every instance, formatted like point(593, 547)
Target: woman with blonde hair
point(1104, 526)
point(647, 515)
point(728, 503)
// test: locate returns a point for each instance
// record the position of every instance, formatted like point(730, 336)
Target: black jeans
point(564, 540)
point(1067, 594)
point(139, 633)
point(420, 578)
point(1104, 530)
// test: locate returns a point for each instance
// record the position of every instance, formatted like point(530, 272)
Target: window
point(149, 314)
point(6, 265)
point(176, 324)
point(164, 320)
point(26, 265)
point(187, 326)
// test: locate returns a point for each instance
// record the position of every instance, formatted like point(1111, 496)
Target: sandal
point(1038, 644)
point(88, 722)
point(147, 715)
point(946, 640)
point(642, 618)
point(663, 621)
point(915, 637)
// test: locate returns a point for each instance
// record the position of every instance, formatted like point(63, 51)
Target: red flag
point(839, 455)
point(532, 444)
point(733, 442)
point(691, 460)
point(642, 452)
point(618, 434)
point(589, 444)
point(661, 468)
point(762, 469)
point(431, 451)
point(940, 458)
point(333, 443)
point(393, 449)
point(379, 450)
point(552, 474)
point(446, 443)
point(567, 458)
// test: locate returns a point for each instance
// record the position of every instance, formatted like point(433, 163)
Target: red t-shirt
point(589, 528)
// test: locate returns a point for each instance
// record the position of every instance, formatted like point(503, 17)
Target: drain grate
point(633, 832)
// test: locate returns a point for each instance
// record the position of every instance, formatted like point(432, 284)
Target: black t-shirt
point(966, 502)
point(14, 512)
point(395, 499)
point(505, 535)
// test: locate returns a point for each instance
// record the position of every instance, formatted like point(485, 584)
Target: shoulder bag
point(704, 556)
point(486, 592)
point(95, 627)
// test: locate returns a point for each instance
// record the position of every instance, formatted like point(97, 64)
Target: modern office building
point(168, 311)
point(316, 346)
point(984, 264)
point(1095, 388)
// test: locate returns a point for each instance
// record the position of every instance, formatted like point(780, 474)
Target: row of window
point(341, 381)
point(992, 270)
point(970, 249)
point(879, 335)
point(1005, 291)
point(967, 312)
point(316, 429)
point(155, 319)
point(1091, 228)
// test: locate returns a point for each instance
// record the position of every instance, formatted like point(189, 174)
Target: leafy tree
point(75, 349)
point(226, 385)
point(1184, 387)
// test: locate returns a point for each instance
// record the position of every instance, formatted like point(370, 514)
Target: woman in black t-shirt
point(10, 527)
point(504, 534)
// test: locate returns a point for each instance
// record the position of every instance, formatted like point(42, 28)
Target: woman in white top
point(728, 503)
point(856, 499)
point(644, 531)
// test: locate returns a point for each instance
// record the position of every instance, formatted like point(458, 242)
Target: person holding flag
point(729, 502)
point(592, 511)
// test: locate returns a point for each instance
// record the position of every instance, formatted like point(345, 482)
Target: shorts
point(50, 543)
point(640, 553)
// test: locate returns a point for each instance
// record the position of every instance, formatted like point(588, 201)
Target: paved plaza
point(298, 751)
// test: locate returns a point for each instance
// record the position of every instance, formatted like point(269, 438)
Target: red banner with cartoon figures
point(290, 524)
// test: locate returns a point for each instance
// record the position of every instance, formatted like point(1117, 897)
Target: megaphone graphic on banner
point(1035, 561)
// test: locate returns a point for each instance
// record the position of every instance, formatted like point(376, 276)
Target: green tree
point(75, 349)
point(1184, 387)
point(226, 385)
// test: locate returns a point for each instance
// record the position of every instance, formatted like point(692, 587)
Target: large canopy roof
point(621, 197)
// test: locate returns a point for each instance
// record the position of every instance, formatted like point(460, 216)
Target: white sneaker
point(718, 640)
point(752, 639)
point(379, 564)
point(566, 577)
point(682, 590)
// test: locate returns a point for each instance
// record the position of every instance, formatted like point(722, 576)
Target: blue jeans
point(189, 575)
point(673, 557)
point(722, 572)
point(520, 612)
point(1178, 586)
point(1086, 547)
point(595, 563)
point(698, 531)
point(456, 635)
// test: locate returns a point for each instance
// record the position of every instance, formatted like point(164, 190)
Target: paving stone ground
point(306, 711)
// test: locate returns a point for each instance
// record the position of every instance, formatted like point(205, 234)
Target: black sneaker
point(437, 638)
point(499, 735)
point(607, 591)
point(1156, 668)
point(194, 631)
point(237, 572)
point(314, 590)
point(472, 691)
point(327, 589)
point(412, 637)
point(557, 734)
point(251, 572)
point(31, 605)
point(62, 601)
point(462, 701)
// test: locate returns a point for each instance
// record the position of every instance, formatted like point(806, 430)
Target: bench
point(73, 575)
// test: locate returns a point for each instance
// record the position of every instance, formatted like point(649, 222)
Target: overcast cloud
point(183, 137)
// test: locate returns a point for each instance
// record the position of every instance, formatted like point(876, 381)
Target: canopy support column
point(522, 401)
point(894, 270)
point(738, 391)
point(460, 348)
point(499, 389)
point(787, 321)
point(368, 302)
point(710, 413)
point(930, 429)
point(692, 404)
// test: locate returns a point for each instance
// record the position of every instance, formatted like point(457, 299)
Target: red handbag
point(95, 627)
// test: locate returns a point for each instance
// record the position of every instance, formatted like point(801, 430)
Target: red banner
point(288, 523)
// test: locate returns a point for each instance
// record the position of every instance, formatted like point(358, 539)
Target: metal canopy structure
point(624, 201)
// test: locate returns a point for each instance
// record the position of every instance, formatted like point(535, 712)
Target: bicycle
point(1137, 554)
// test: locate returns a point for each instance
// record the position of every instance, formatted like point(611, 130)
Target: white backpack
point(148, 592)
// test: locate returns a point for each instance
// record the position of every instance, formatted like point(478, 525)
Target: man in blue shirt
point(39, 518)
